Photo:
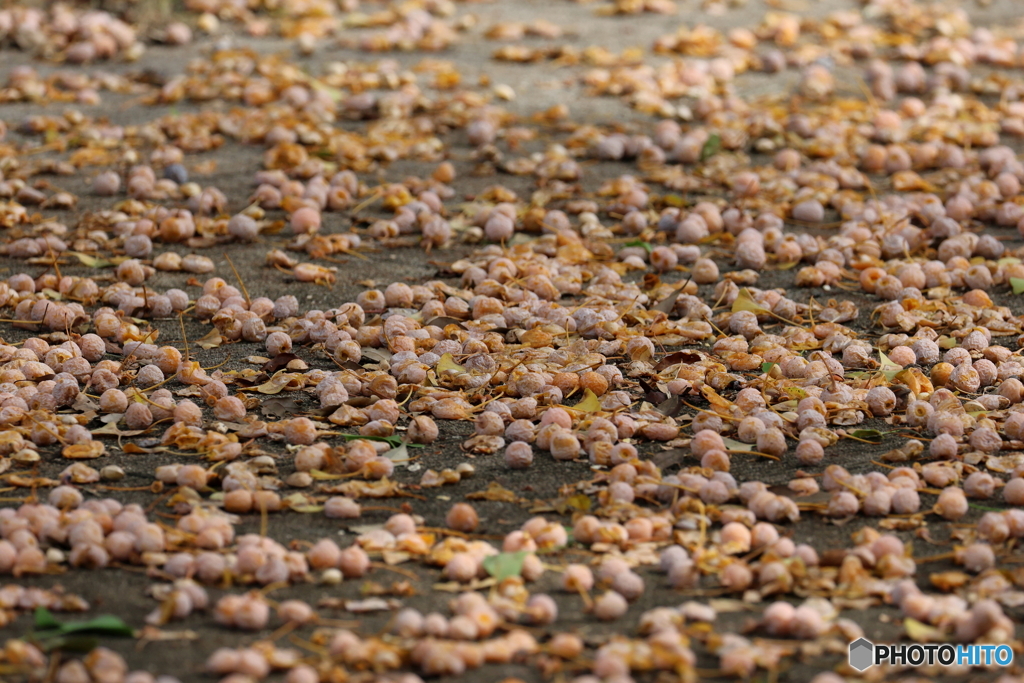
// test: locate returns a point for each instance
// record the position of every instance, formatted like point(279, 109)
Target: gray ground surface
point(539, 86)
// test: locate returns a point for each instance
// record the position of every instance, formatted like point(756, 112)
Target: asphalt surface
point(538, 86)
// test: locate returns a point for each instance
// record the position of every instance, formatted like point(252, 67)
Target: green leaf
point(983, 507)
point(104, 625)
point(867, 434)
point(1017, 284)
point(640, 243)
point(45, 619)
point(711, 147)
point(77, 636)
point(767, 367)
point(505, 565)
point(75, 643)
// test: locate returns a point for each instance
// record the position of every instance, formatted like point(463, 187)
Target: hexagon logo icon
point(862, 654)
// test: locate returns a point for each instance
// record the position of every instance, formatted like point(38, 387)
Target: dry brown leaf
point(495, 492)
point(212, 340)
point(949, 581)
point(383, 488)
point(280, 407)
point(280, 382)
point(1004, 464)
point(31, 482)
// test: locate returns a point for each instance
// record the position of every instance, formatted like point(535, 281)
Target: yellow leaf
point(448, 364)
point(298, 502)
point(335, 94)
point(580, 502)
point(589, 404)
point(795, 392)
point(888, 368)
point(885, 361)
point(745, 302)
point(91, 261)
point(908, 181)
point(320, 475)
point(915, 380)
point(714, 398)
point(922, 633)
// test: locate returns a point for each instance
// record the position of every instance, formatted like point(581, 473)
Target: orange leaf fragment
point(87, 450)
